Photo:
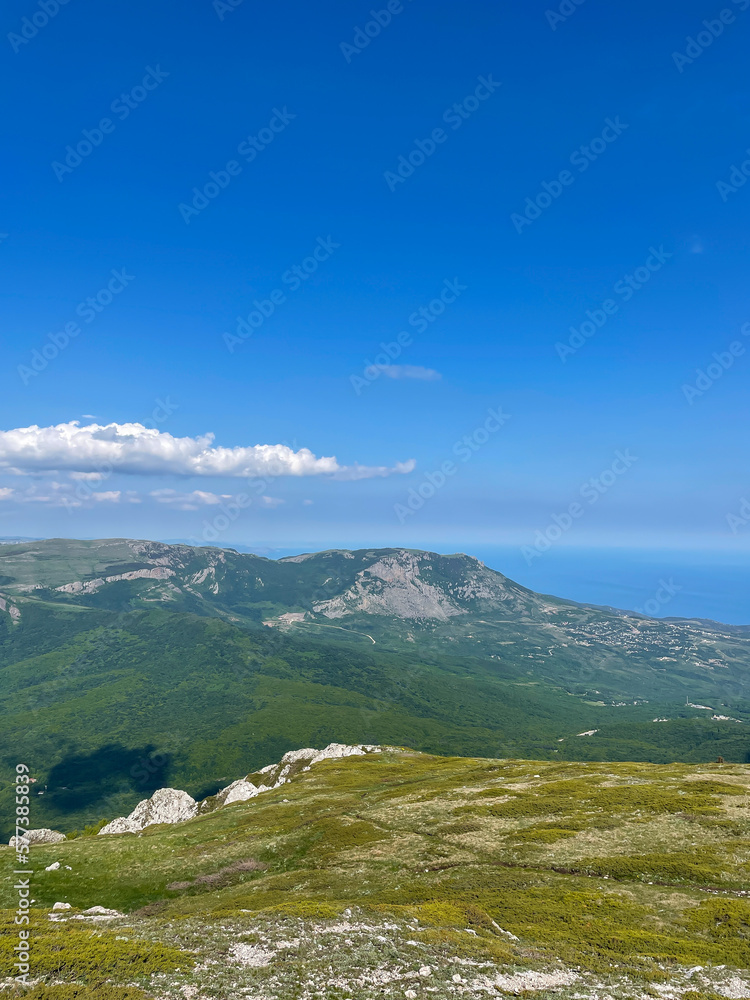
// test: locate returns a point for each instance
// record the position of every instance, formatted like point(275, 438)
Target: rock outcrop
point(91, 586)
point(43, 836)
point(392, 586)
point(15, 614)
point(239, 791)
point(296, 760)
point(425, 586)
point(168, 805)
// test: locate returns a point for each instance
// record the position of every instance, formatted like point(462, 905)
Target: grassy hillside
point(111, 706)
point(399, 871)
point(127, 665)
point(393, 598)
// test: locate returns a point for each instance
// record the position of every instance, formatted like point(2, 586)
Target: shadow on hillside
point(83, 780)
point(210, 789)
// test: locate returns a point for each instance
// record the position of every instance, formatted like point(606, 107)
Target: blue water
point(712, 585)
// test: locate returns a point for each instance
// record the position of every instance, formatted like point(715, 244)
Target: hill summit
point(130, 666)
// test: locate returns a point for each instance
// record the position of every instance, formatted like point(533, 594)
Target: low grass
point(102, 991)
point(79, 951)
point(475, 852)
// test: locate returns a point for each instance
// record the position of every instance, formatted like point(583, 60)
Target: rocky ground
point(361, 957)
point(395, 874)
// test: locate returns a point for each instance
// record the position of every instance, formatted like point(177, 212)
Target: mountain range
point(127, 665)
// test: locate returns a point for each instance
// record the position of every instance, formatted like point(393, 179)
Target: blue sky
point(489, 418)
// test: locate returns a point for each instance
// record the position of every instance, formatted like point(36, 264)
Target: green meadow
point(363, 873)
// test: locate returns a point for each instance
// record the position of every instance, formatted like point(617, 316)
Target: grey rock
point(43, 836)
point(166, 805)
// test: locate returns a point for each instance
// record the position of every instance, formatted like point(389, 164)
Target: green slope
point(167, 675)
point(133, 701)
point(397, 598)
point(361, 872)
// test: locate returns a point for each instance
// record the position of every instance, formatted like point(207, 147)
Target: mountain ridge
point(392, 597)
point(123, 657)
point(162, 557)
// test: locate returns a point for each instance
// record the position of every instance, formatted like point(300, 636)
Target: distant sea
point(712, 585)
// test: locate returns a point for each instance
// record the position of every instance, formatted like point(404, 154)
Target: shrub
point(722, 919)
point(701, 866)
point(103, 991)
point(542, 835)
point(74, 952)
point(307, 909)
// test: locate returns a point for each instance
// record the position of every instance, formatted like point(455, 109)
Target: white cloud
point(54, 494)
point(133, 449)
point(187, 501)
point(409, 371)
point(200, 498)
point(351, 472)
